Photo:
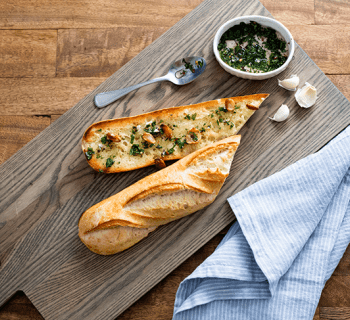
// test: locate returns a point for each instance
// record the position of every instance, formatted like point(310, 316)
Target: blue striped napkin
point(292, 230)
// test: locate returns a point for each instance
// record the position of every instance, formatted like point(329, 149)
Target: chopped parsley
point(171, 151)
point(100, 171)
point(134, 130)
point(89, 153)
point(105, 140)
point(109, 162)
point(136, 150)
point(189, 117)
point(223, 109)
point(132, 139)
point(188, 65)
point(153, 129)
point(237, 107)
point(99, 130)
point(248, 54)
point(180, 143)
point(199, 63)
point(147, 145)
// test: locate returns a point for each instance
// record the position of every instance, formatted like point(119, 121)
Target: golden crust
point(252, 101)
point(125, 211)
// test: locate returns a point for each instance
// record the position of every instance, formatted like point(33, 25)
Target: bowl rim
point(272, 73)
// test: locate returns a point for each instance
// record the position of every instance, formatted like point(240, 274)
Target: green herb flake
point(105, 140)
point(132, 139)
point(223, 109)
point(136, 150)
point(100, 171)
point(194, 116)
point(237, 107)
point(188, 117)
point(199, 63)
point(89, 153)
point(180, 143)
point(109, 162)
point(99, 130)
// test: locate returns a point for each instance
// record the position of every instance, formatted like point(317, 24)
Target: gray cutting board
point(47, 185)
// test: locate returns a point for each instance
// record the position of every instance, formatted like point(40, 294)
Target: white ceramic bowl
point(266, 22)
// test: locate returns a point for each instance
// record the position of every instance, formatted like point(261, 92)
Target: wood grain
point(336, 292)
point(28, 53)
point(100, 52)
point(47, 97)
point(332, 12)
point(41, 96)
point(342, 82)
point(297, 12)
point(54, 201)
point(327, 46)
point(343, 268)
point(332, 313)
point(17, 131)
point(154, 301)
point(19, 308)
point(40, 14)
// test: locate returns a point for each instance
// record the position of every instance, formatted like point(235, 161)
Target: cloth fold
point(293, 228)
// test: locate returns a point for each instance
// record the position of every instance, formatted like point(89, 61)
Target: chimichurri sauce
point(254, 48)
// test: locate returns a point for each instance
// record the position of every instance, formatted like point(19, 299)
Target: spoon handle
point(105, 98)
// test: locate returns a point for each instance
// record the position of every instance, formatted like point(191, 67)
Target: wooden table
point(52, 55)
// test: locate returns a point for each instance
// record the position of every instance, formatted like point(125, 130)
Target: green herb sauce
point(255, 49)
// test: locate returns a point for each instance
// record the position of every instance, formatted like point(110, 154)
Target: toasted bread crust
point(189, 185)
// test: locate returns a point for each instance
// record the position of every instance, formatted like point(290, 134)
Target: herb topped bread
point(135, 142)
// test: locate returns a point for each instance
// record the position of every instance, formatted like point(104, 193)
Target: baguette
point(130, 143)
point(184, 187)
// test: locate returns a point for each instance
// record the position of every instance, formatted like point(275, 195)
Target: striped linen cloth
point(292, 230)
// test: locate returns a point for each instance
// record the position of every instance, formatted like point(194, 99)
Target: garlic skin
point(306, 96)
point(289, 84)
point(281, 114)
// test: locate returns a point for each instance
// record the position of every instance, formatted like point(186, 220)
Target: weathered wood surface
point(87, 59)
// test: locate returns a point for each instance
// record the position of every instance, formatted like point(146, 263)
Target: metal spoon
point(181, 72)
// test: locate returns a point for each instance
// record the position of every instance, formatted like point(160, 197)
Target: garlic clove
point(231, 44)
point(281, 114)
point(306, 96)
point(289, 84)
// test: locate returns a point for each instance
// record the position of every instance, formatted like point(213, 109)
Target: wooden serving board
point(47, 185)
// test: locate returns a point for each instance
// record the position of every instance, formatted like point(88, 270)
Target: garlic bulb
point(306, 96)
point(289, 84)
point(281, 114)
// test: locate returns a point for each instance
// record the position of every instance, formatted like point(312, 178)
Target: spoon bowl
point(180, 73)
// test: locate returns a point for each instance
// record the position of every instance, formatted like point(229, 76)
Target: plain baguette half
point(186, 186)
point(119, 144)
